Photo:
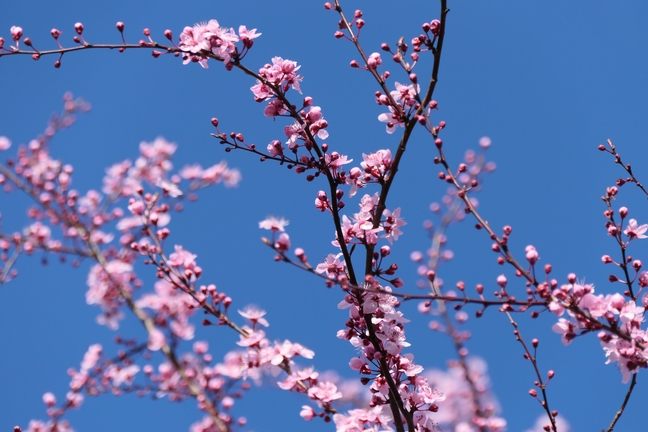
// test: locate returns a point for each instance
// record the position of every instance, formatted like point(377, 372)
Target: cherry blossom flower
point(156, 340)
point(393, 120)
point(246, 35)
point(333, 266)
point(634, 230)
point(255, 315)
point(392, 224)
point(274, 224)
point(4, 143)
point(566, 329)
point(210, 37)
point(169, 188)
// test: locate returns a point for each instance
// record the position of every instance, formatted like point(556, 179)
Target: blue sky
point(547, 81)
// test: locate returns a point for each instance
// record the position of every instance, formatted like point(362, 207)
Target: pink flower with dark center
point(392, 224)
point(307, 413)
point(566, 329)
point(324, 392)
point(634, 230)
point(283, 243)
point(255, 315)
point(246, 35)
point(333, 266)
point(16, 33)
point(169, 188)
point(405, 94)
point(182, 257)
point(254, 337)
point(274, 224)
point(393, 120)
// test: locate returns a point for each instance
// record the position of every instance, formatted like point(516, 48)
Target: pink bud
point(16, 33)
point(431, 275)
point(120, 26)
point(79, 28)
point(435, 27)
point(49, 399)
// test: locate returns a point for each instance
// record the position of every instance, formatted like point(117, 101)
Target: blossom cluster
point(203, 38)
point(628, 346)
point(136, 204)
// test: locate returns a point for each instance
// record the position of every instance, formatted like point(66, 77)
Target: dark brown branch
point(617, 416)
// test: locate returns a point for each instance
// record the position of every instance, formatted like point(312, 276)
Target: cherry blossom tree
point(122, 233)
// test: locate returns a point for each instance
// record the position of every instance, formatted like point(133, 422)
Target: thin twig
point(617, 416)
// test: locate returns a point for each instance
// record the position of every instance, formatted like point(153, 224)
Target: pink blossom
point(392, 224)
point(74, 399)
point(283, 243)
point(91, 357)
point(372, 420)
point(129, 223)
point(182, 257)
point(392, 337)
point(200, 347)
point(16, 33)
point(278, 73)
point(169, 188)
point(406, 94)
point(274, 224)
point(191, 172)
point(254, 337)
point(532, 254)
point(120, 376)
point(324, 392)
point(157, 340)
point(634, 230)
point(4, 143)
point(393, 120)
point(378, 163)
point(374, 61)
point(307, 413)
point(566, 329)
point(49, 399)
point(246, 35)
point(158, 148)
point(255, 315)
point(333, 266)
point(335, 161)
point(208, 37)
point(171, 306)
point(304, 375)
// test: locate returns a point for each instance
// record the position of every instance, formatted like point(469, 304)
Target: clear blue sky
point(547, 81)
